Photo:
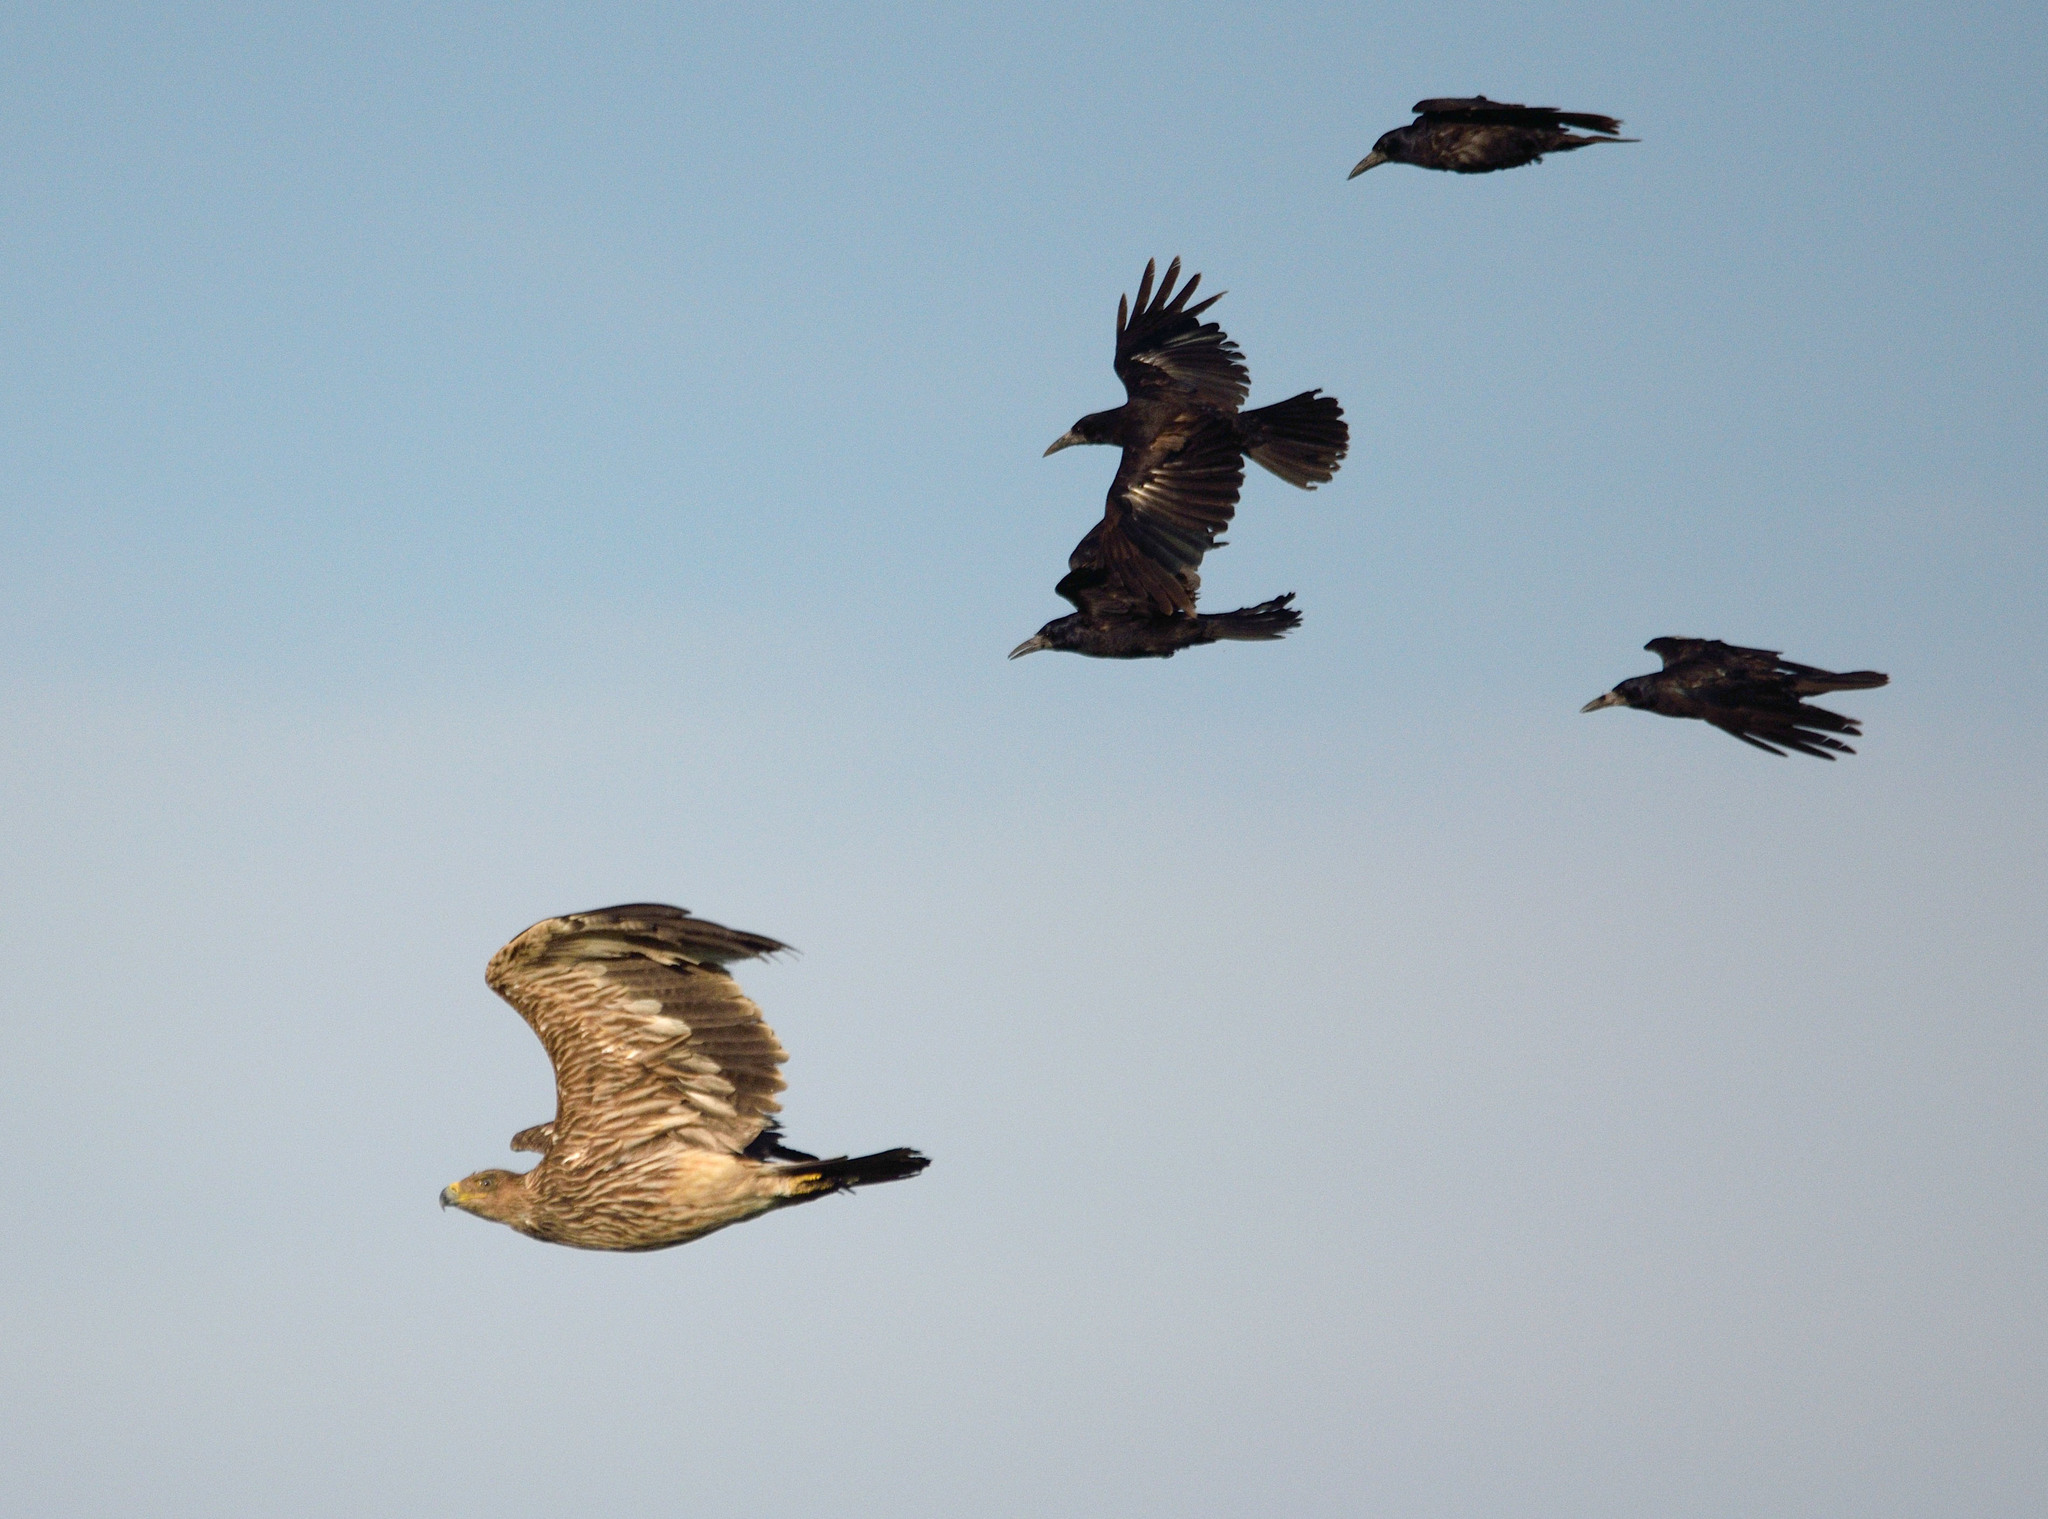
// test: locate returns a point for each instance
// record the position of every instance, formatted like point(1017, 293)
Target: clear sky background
point(464, 464)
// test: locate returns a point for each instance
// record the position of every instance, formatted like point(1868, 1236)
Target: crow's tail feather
point(1301, 439)
point(1592, 123)
point(1269, 619)
point(1812, 682)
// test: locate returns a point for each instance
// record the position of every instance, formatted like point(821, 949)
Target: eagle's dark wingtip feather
point(768, 1146)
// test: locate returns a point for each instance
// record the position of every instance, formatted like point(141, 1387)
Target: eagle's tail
point(847, 1172)
point(1301, 439)
point(1269, 619)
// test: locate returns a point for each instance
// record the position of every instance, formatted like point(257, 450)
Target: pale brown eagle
point(665, 1083)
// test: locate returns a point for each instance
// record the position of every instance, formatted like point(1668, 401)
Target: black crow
point(1477, 136)
point(1184, 441)
point(1750, 693)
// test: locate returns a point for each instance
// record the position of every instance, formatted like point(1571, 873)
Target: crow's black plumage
point(1134, 578)
point(1478, 135)
point(1752, 694)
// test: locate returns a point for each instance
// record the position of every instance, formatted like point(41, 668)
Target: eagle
point(1478, 135)
point(665, 1083)
point(1133, 579)
point(1753, 694)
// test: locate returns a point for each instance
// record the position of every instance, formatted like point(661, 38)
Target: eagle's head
point(502, 1196)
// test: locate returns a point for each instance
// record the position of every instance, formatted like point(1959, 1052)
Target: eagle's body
point(1134, 578)
point(665, 1083)
point(1750, 694)
point(668, 1196)
point(1478, 136)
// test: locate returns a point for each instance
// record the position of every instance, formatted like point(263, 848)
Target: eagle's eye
point(485, 1183)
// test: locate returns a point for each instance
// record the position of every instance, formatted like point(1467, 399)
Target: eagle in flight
point(1753, 694)
point(1133, 580)
point(665, 1083)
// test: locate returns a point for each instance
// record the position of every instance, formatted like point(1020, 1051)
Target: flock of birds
point(666, 1073)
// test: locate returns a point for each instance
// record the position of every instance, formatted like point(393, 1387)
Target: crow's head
point(1096, 427)
point(1627, 694)
point(1060, 633)
point(1387, 150)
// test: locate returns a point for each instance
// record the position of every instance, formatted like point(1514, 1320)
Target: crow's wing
point(1163, 350)
point(1479, 111)
point(1166, 506)
point(1712, 655)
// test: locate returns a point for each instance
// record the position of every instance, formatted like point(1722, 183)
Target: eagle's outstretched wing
point(1162, 349)
point(650, 1037)
point(1166, 506)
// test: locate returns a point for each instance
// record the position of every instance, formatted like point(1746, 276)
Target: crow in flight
point(1477, 136)
point(1134, 577)
point(1750, 693)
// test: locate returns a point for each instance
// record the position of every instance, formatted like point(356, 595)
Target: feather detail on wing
point(1166, 507)
point(1161, 347)
point(650, 1037)
point(1794, 729)
point(1709, 659)
point(539, 1139)
point(1109, 576)
point(1478, 110)
point(1676, 651)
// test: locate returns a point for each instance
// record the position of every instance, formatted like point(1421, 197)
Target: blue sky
point(466, 465)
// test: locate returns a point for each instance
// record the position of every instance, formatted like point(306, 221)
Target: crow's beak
point(1371, 160)
point(1035, 642)
point(1611, 699)
point(1065, 440)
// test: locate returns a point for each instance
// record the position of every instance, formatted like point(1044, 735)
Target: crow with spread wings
point(1478, 135)
point(1134, 578)
point(1752, 694)
point(665, 1083)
